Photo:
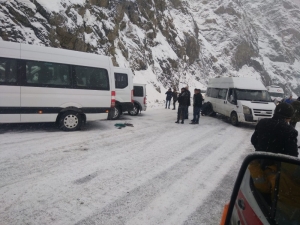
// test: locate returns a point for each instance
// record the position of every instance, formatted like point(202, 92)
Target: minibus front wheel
point(234, 119)
point(70, 121)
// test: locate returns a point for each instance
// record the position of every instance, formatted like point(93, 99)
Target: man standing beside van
point(197, 104)
point(183, 102)
point(188, 103)
point(275, 134)
point(168, 98)
point(174, 94)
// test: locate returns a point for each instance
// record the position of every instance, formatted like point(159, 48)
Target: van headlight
point(246, 110)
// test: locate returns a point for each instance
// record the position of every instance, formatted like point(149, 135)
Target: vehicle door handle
point(241, 204)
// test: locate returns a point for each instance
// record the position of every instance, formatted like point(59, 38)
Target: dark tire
point(70, 121)
point(135, 110)
point(234, 119)
point(116, 113)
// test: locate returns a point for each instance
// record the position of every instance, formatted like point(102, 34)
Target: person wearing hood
point(275, 134)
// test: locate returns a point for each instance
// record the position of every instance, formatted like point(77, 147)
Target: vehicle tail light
point(145, 100)
point(132, 96)
point(113, 99)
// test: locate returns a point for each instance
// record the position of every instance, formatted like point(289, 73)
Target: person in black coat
point(174, 98)
point(189, 102)
point(197, 104)
point(183, 102)
point(169, 96)
point(275, 134)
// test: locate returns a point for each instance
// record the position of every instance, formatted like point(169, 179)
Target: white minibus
point(139, 99)
point(239, 98)
point(124, 92)
point(43, 84)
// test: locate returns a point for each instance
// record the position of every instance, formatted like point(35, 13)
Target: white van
point(124, 92)
point(42, 84)
point(139, 99)
point(241, 99)
point(276, 93)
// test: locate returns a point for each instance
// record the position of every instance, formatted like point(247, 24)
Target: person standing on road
point(174, 95)
point(168, 98)
point(289, 100)
point(188, 103)
point(296, 116)
point(183, 102)
point(197, 104)
point(275, 134)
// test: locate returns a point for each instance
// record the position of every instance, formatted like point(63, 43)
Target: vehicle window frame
point(50, 85)
point(6, 83)
point(134, 91)
point(125, 85)
point(76, 86)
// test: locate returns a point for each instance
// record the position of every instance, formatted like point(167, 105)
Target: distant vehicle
point(124, 92)
point(241, 99)
point(139, 99)
point(42, 84)
point(276, 93)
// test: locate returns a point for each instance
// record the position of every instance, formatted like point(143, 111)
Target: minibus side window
point(8, 71)
point(121, 80)
point(214, 93)
point(47, 74)
point(222, 94)
point(138, 91)
point(91, 78)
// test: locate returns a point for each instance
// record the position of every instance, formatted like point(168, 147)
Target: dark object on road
point(207, 109)
point(122, 125)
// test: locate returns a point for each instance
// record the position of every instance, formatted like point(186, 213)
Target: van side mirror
point(267, 191)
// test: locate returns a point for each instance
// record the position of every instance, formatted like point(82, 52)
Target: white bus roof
point(236, 82)
point(55, 55)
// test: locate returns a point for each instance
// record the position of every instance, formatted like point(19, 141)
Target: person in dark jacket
point(289, 100)
point(197, 104)
point(189, 102)
point(275, 134)
point(174, 94)
point(183, 102)
point(169, 94)
point(296, 116)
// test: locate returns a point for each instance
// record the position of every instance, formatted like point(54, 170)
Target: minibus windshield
point(253, 95)
point(276, 94)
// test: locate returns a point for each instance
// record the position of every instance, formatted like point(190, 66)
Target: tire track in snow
point(127, 207)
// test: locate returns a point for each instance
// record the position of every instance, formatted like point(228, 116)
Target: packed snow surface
point(156, 172)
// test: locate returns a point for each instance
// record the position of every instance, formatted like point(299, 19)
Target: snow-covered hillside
point(169, 43)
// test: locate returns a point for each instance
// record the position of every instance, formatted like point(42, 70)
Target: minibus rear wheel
point(70, 121)
point(135, 110)
point(234, 119)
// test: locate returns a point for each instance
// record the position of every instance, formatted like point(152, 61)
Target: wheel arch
point(71, 108)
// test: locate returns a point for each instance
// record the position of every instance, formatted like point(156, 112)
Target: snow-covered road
point(156, 172)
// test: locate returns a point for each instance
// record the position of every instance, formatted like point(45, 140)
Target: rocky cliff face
point(181, 42)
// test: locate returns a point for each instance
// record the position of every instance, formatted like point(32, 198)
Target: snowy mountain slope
point(169, 43)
